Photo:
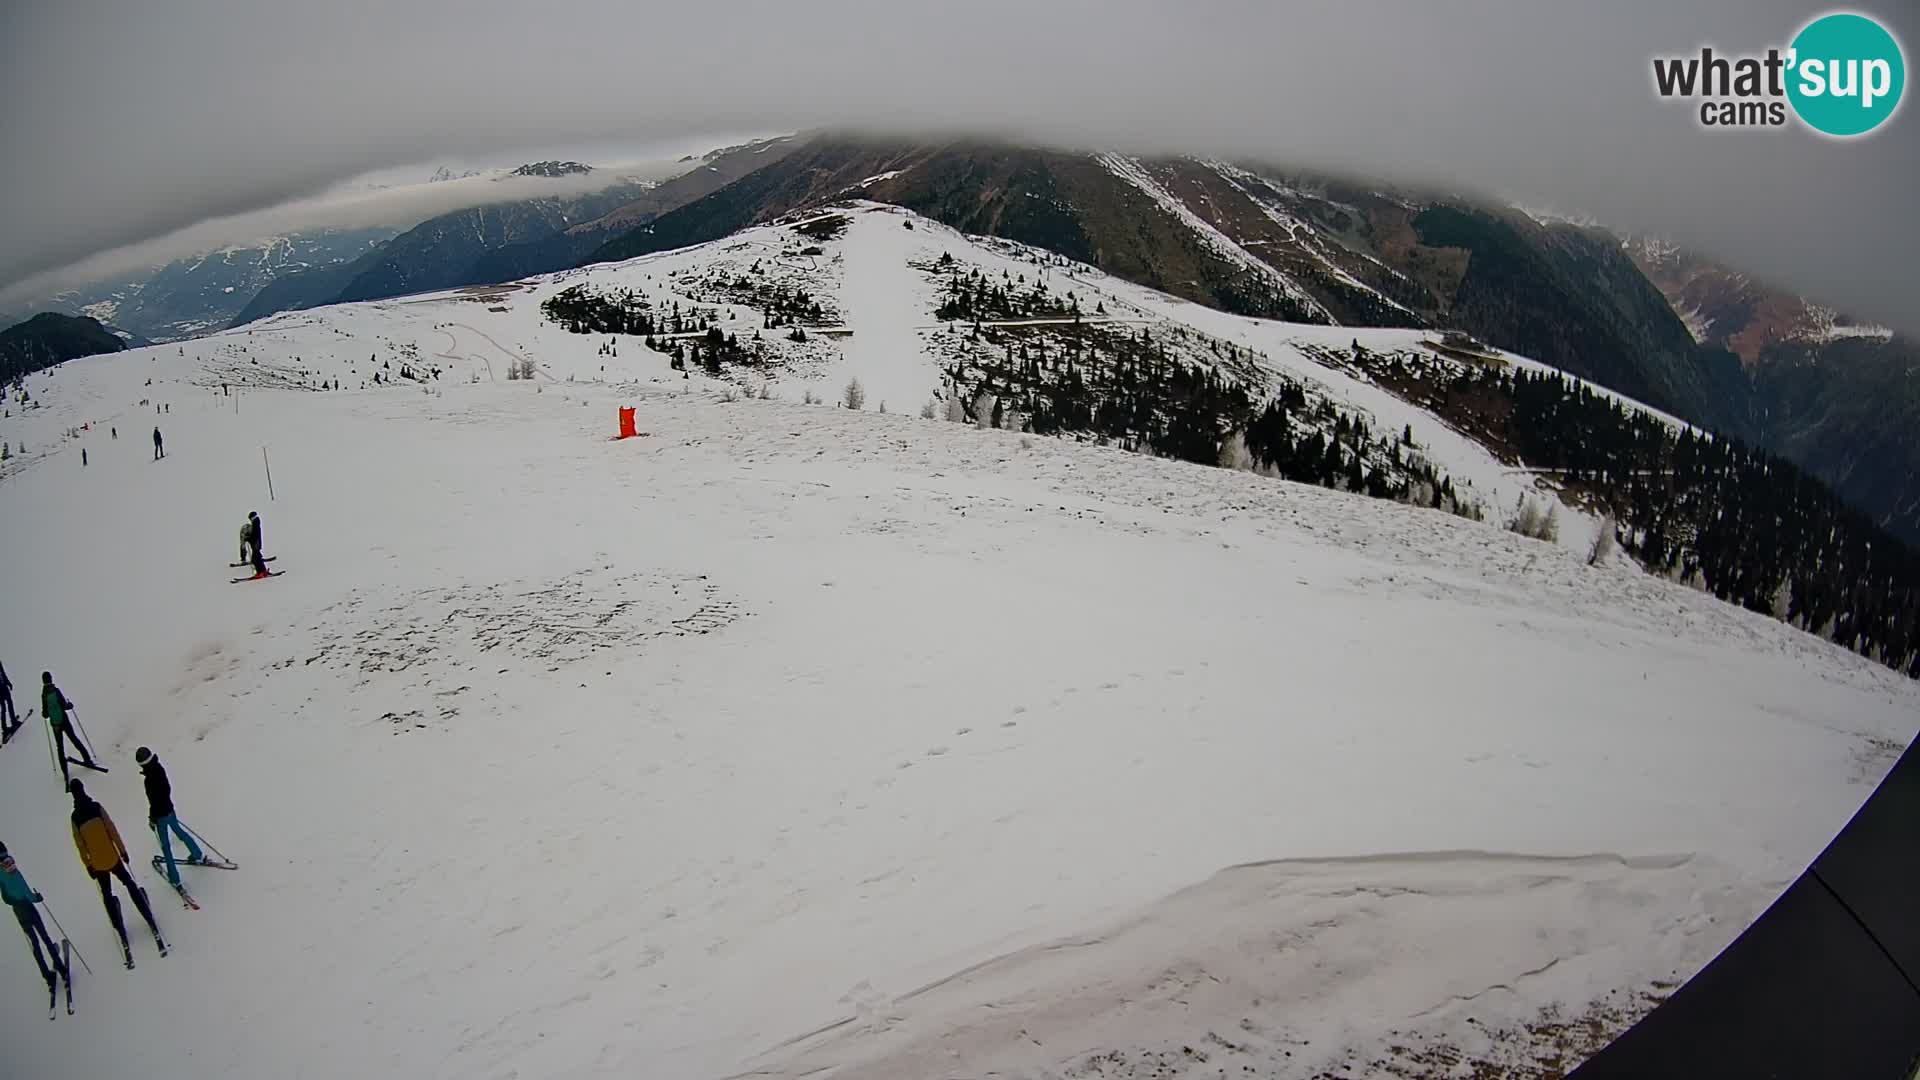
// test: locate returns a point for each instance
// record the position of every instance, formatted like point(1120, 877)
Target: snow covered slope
point(881, 279)
point(787, 740)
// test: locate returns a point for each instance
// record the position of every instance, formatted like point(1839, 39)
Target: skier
point(9, 720)
point(159, 449)
point(105, 857)
point(21, 898)
point(251, 534)
point(55, 706)
point(83, 457)
point(160, 813)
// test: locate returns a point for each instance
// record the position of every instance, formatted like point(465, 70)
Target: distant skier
point(160, 813)
point(105, 857)
point(116, 431)
point(55, 707)
point(21, 898)
point(159, 448)
point(83, 457)
point(9, 720)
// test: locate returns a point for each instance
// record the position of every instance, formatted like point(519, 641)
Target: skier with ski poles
point(160, 814)
point(55, 707)
point(21, 898)
point(9, 720)
point(105, 857)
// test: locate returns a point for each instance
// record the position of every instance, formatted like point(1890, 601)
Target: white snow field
point(787, 741)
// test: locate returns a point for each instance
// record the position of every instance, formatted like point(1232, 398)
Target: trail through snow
point(887, 309)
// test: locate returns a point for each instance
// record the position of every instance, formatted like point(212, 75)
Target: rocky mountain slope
point(1821, 389)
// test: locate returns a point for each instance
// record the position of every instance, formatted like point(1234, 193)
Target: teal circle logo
point(1846, 74)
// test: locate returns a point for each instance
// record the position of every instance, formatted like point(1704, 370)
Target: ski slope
point(788, 741)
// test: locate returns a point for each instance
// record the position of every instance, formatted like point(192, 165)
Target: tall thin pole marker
point(269, 465)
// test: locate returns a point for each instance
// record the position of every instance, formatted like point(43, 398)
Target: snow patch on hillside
point(1130, 170)
point(1311, 243)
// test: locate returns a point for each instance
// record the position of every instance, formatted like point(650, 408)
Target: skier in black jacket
point(9, 720)
point(58, 712)
point(160, 813)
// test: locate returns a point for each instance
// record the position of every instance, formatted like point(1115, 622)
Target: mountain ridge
point(49, 339)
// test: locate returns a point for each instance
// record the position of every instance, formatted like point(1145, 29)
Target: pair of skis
point(14, 729)
point(255, 577)
point(186, 898)
point(65, 974)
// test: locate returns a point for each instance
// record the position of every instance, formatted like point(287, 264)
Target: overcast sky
point(129, 119)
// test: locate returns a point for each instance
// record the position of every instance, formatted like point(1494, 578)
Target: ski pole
point(195, 833)
point(64, 938)
point(73, 715)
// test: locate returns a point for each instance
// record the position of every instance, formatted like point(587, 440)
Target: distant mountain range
point(553, 169)
point(203, 293)
point(503, 241)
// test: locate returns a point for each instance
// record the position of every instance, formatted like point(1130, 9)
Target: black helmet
point(76, 789)
point(143, 755)
point(46, 676)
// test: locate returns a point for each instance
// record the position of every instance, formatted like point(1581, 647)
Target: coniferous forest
point(1126, 387)
point(1751, 528)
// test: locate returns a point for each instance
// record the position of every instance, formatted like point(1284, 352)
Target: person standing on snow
point(159, 450)
point(55, 707)
point(105, 857)
point(160, 813)
point(251, 534)
point(21, 898)
point(9, 720)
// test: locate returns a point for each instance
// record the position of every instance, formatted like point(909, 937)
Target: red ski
point(256, 577)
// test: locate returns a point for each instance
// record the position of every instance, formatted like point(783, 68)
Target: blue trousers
point(171, 824)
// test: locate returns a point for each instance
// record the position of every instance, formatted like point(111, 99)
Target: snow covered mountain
point(1272, 241)
point(1258, 240)
point(203, 292)
point(798, 740)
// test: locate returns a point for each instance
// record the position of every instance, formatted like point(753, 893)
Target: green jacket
point(54, 705)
